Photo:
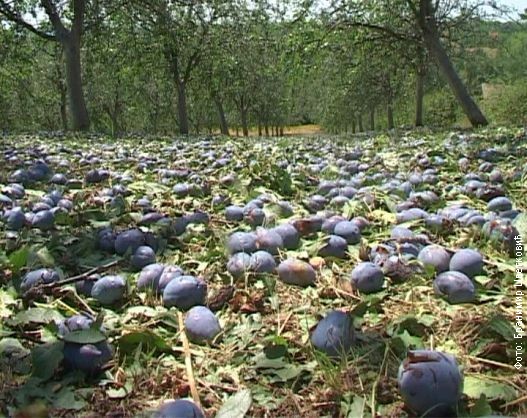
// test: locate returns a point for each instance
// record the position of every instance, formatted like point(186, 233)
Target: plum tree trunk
point(78, 109)
point(391, 123)
point(245, 126)
point(428, 26)
point(419, 97)
point(182, 107)
point(224, 127)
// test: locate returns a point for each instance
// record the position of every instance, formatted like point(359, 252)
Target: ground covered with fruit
point(318, 276)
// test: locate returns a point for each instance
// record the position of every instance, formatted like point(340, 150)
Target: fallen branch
point(45, 288)
point(84, 276)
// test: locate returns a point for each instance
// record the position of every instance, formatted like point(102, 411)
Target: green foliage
point(441, 108)
point(508, 105)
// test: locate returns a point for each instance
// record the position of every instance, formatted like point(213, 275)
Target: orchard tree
point(182, 29)
point(430, 21)
point(65, 25)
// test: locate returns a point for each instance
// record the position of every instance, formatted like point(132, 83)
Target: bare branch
point(15, 17)
point(61, 32)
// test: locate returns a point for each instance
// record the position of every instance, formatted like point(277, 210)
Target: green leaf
point(65, 399)
point(46, 359)
point(149, 341)
point(120, 393)
point(356, 409)
point(502, 326)
point(45, 257)
point(18, 258)
point(481, 408)
point(37, 316)
point(85, 336)
point(236, 406)
point(476, 385)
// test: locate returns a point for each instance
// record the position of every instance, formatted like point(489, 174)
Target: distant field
point(288, 130)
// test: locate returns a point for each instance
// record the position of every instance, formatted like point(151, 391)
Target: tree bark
point(182, 107)
point(281, 131)
point(372, 119)
point(79, 111)
point(419, 97)
point(259, 128)
point(361, 127)
point(391, 124)
point(428, 26)
point(353, 126)
point(245, 126)
point(266, 130)
point(224, 128)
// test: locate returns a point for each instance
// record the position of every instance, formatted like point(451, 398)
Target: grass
point(264, 313)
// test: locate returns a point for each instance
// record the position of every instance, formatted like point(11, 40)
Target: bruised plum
point(349, 231)
point(499, 204)
point(169, 273)
point(262, 262)
point(435, 256)
point(129, 240)
point(74, 323)
point(106, 240)
point(43, 220)
point(234, 213)
point(184, 292)
point(455, 287)
point(296, 272)
point(149, 276)
point(37, 277)
point(181, 408)
point(88, 358)
point(242, 242)
point(430, 383)
point(367, 277)
point(334, 334)
point(15, 219)
point(269, 240)
point(142, 257)
point(290, 236)
point(239, 264)
point(201, 324)
point(109, 289)
point(467, 261)
point(336, 246)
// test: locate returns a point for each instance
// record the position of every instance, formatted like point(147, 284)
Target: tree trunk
point(224, 128)
point(266, 130)
point(419, 97)
point(79, 112)
point(281, 131)
point(64, 108)
point(361, 127)
point(372, 118)
point(259, 128)
point(391, 124)
point(245, 126)
point(182, 107)
point(426, 20)
point(353, 126)
point(237, 131)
